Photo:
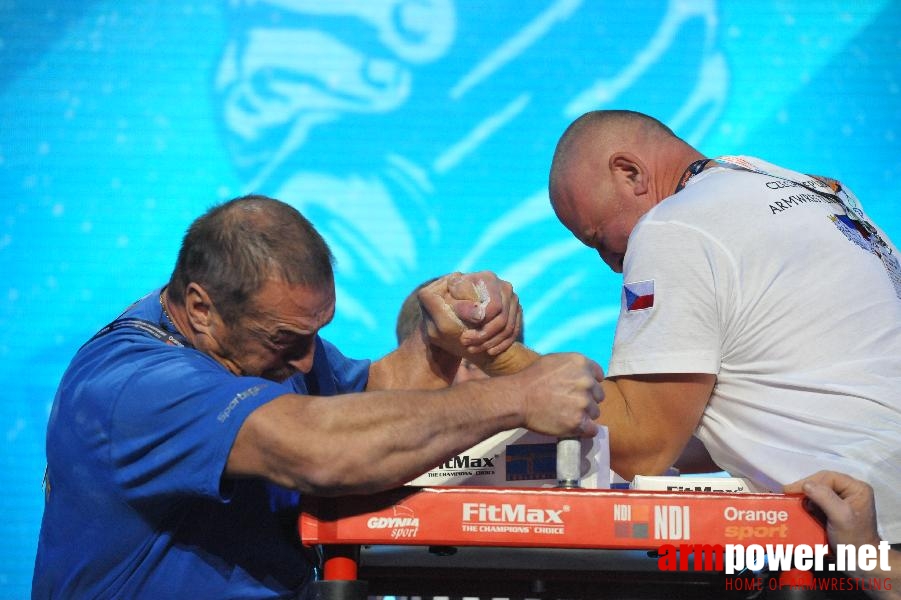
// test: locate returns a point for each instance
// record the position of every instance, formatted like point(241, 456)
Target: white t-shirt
point(771, 287)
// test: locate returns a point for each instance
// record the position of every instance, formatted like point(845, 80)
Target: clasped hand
point(470, 314)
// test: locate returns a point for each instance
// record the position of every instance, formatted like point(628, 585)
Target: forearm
point(361, 443)
point(633, 448)
point(418, 364)
point(650, 419)
point(414, 365)
point(512, 360)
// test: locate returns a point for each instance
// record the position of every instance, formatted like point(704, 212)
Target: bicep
point(652, 417)
point(276, 441)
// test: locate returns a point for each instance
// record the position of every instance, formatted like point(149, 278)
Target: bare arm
point(475, 315)
point(358, 443)
point(651, 419)
point(414, 365)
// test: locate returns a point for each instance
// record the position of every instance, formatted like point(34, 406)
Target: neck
point(669, 157)
point(682, 169)
point(176, 315)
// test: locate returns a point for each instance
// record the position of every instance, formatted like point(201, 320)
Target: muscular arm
point(651, 419)
point(428, 358)
point(359, 443)
point(415, 364)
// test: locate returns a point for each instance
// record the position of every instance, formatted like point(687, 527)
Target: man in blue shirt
point(184, 432)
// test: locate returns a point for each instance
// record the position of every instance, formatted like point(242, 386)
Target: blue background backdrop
point(416, 134)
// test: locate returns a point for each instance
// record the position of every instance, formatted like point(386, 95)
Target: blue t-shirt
point(137, 444)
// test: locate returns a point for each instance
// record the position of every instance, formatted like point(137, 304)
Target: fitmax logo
point(510, 513)
point(464, 461)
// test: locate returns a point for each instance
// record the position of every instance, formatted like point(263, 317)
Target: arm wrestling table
point(539, 542)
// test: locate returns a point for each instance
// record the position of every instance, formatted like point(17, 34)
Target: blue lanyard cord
point(692, 170)
point(141, 325)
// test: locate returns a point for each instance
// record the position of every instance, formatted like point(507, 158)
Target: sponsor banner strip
point(557, 518)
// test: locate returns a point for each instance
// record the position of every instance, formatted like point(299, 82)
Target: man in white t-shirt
point(761, 310)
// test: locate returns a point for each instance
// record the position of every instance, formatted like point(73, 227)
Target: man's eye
point(281, 342)
point(285, 341)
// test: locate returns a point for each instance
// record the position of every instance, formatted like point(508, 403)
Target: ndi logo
point(672, 522)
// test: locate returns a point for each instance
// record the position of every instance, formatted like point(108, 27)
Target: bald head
point(597, 134)
point(609, 168)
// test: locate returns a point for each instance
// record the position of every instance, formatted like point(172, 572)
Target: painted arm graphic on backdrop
point(288, 85)
point(417, 134)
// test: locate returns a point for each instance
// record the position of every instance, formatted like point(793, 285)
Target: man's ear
point(629, 169)
point(199, 307)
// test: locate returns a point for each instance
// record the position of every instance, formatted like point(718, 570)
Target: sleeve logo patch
point(638, 295)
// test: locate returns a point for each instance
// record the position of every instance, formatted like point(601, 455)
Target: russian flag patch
point(639, 295)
